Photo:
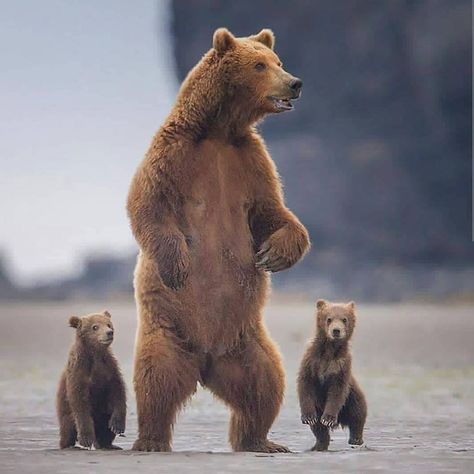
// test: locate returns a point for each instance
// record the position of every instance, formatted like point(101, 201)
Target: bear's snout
point(295, 85)
point(336, 332)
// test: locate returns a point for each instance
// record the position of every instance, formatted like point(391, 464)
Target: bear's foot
point(110, 446)
point(151, 445)
point(356, 441)
point(266, 447)
point(320, 447)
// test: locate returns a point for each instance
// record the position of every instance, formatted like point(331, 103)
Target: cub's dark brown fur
point(91, 399)
point(329, 394)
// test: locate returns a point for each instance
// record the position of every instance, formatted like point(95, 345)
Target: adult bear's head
point(236, 83)
point(254, 73)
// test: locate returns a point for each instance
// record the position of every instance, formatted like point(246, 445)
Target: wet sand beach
point(414, 361)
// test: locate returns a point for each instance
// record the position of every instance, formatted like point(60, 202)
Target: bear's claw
point(117, 424)
point(329, 420)
point(86, 440)
point(309, 419)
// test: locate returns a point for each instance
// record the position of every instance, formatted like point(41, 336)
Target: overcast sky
point(84, 86)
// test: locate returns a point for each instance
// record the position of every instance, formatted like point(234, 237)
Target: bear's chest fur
point(326, 368)
point(217, 203)
point(219, 180)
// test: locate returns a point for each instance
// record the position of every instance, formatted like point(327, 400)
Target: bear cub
point(91, 397)
point(328, 392)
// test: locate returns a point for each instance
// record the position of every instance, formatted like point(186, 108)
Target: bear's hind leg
point(67, 426)
point(165, 377)
point(67, 431)
point(323, 438)
point(354, 414)
point(103, 434)
point(251, 381)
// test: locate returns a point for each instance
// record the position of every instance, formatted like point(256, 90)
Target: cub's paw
point(86, 439)
point(319, 446)
point(106, 447)
point(151, 445)
point(309, 418)
point(329, 420)
point(117, 424)
point(356, 441)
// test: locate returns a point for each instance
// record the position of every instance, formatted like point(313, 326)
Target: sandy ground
point(415, 362)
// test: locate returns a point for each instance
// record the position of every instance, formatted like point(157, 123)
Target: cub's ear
point(320, 304)
point(223, 40)
point(106, 313)
point(75, 322)
point(265, 37)
point(351, 305)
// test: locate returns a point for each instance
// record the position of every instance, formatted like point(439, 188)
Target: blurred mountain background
point(376, 158)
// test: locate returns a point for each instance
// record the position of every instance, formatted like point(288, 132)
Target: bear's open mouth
point(281, 103)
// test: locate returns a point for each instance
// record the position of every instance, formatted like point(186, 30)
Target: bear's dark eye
point(329, 320)
point(344, 320)
point(260, 66)
point(109, 326)
point(95, 327)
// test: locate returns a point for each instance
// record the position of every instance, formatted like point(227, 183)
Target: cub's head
point(336, 320)
point(254, 73)
point(95, 329)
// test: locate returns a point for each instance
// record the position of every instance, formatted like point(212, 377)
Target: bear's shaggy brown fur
point(329, 394)
point(207, 211)
point(91, 398)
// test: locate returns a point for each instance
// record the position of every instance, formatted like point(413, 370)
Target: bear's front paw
point(329, 420)
point(117, 423)
point(271, 256)
point(268, 260)
point(309, 418)
point(282, 249)
point(86, 439)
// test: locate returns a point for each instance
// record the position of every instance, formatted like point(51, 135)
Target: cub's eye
point(95, 327)
point(109, 326)
point(260, 66)
point(280, 65)
point(329, 320)
point(344, 320)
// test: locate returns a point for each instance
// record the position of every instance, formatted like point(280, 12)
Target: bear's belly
point(224, 284)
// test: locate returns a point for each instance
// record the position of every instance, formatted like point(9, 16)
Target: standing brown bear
point(207, 210)
point(328, 392)
point(91, 398)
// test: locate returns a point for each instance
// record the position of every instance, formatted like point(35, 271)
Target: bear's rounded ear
point(223, 40)
point(351, 305)
point(320, 304)
point(106, 313)
point(265, 37)
point(75, 322)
